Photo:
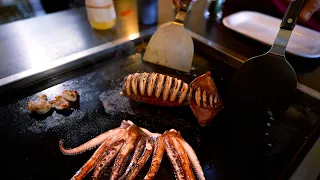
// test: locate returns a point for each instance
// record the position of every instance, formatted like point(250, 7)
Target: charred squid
point(158, 89)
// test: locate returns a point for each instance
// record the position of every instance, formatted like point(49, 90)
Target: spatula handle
point(291, 16)
point(184, 5)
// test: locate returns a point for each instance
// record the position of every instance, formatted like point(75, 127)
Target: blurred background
point(13, 10)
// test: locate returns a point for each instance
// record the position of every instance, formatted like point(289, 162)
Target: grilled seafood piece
point(154, 88)
point(119, 142)
point(70, 95)
point(65, 101)
point(41, 105)
point(60, 103)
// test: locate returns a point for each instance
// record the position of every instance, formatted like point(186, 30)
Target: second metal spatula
point(269, 81)
point(171, 45)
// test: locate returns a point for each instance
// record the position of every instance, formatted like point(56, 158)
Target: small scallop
point(204, 99)
point(143, 82)
point(167, 87)
point(134, 83)
point(151, 83)
point(211, 101)
point(176, 87)
point(128, 85)
point(159, 85)
point(70, 95)
point(198, 96)
point(60, 103)
point(40, 106)
point(184, 91)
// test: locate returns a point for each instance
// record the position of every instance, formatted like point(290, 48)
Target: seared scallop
point(70, 95)
point(41, 105)
point(60, 103)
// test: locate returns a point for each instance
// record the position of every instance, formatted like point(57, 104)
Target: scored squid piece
point(143, 83)
point(197, 96)
point(127, 147)
point(167, 87)
point(151, 83)
point(175, 89)
point(202, 111)
point(184, 91)
point(182, 154)
point(134, 83)
point(158, 89)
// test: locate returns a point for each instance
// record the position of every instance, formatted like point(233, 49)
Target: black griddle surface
point(30, 143)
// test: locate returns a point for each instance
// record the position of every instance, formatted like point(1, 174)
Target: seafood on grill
point(62, 102)
point(70, 95)
point(118, 144)
point(41, 105)
point(153, 88)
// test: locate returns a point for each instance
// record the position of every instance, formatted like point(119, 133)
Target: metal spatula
point(269, 81)
point(171, 45)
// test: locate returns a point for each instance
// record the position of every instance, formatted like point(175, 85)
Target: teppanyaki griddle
point(227, 148)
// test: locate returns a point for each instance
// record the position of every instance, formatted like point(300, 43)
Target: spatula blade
point(171, 46)
point(267, 81)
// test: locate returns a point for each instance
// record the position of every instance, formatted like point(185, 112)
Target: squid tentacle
point(90, 164)
point(136, 156)
point(88, 145)
point(124, 152)
point(182, 154)
point(108, 156)
point(143, 159)
point(157, 157)
point(193, 158)
point(174, 158)
point(129, 137)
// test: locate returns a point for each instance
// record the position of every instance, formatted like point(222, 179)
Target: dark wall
point(51, 6)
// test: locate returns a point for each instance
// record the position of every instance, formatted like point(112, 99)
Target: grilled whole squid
point(158, 89)
point(163, 90)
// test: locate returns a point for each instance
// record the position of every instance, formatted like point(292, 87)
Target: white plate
point(303, 42)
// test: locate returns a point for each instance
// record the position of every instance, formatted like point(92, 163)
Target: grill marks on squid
point(143, 82)
point(168, 89)
point(161, 86)
point(204, 99)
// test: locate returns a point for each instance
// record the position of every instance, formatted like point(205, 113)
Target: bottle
point(213, 10)
point(127, 19)
point(147, 11)
point(101, 14)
